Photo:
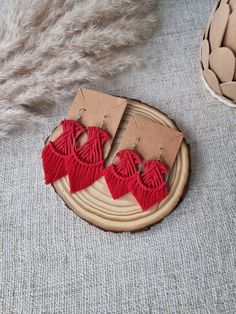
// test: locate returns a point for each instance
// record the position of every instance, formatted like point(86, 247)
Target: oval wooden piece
point(222, 63)
point(230, 33)
point(96, 206)
point(235, 71)
point(229, 90)
point(210, 19)
point(218, 26)
point(212, 81)
point(232, 4)
point(205, 51)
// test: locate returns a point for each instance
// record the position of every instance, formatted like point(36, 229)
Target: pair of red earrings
point(147, 183)
point(82, 163)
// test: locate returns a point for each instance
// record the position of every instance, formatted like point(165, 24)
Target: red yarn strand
point(85, 164)
point(54, 153)
point(149, 187)
point(118, 175)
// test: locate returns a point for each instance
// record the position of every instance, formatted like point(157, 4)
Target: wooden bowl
point(218, 52)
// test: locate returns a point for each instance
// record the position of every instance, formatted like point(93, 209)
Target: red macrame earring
point(118, 175)
point(54, 153)
point(85, 163)
point(149, 186)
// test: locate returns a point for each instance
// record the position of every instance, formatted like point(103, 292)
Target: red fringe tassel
point(54, 153)
point(85, 164)
point(150, 188)
point(119, 175)
point(82, 174)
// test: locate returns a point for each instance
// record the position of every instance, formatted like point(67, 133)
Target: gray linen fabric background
point(53, 262)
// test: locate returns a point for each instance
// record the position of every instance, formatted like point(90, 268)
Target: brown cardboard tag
point(152, 136)
point(98, 105)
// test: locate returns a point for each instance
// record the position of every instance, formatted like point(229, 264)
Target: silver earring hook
point(79, 116)
point(140, 168)
point(104, 121)
point(138, 139)
point(160, 154)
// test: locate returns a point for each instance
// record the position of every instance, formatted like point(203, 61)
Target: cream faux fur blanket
point(49, 48)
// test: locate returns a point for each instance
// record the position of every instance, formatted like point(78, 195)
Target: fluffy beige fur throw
point(49, 48)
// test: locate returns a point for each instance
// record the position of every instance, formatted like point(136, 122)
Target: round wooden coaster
point(96, 206)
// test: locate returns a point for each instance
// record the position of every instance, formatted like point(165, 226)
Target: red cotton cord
point(149, 187)
point(85, 164)
point(55, 152)
point(118, 175)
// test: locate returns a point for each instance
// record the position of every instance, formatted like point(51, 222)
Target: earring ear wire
point(137, 140)
point(140, 168)
point(104, 121)
point(80, 116)
point(160, 154)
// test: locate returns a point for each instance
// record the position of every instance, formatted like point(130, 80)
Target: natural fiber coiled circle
point(96, 206)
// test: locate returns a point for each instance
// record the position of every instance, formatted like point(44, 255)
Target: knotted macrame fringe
point(54, 153)
point(148, 197)
point(118, 176)
point(53, 164)
point(118, 186)
point(85, 164)
point(82, 174)
point(150, 188)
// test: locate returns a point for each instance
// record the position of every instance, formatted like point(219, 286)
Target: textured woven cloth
point(53, 262)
